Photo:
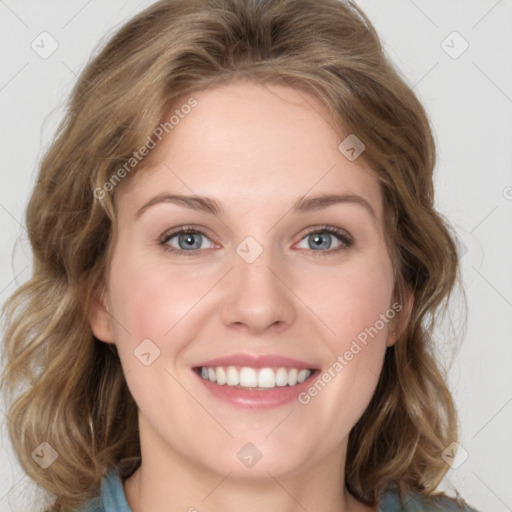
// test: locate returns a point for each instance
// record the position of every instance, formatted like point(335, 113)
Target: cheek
point(358, 310)
point(352, 299)
point(158, 302)
point(147, 302)
point(135, 302)
point(150, 299)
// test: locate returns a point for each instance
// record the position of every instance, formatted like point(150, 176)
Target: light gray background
point(469, 99)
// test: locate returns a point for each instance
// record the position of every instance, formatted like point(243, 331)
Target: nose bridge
point(256, 297)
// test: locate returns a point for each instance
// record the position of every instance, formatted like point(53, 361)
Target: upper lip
point(257, 361)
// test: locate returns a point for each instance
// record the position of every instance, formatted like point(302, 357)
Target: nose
point(257, 299)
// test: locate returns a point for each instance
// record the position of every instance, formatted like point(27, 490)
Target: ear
point(399, 323)
point(100, 319)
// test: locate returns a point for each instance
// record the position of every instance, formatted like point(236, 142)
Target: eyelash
point(341, 235)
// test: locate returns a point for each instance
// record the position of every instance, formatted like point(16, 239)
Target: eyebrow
point(205, 204)
point(304, 204)
point(214, 207)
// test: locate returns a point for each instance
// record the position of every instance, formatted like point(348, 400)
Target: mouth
point(255, 381)
point(260, 379)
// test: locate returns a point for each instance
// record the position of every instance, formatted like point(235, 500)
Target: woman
point(236, 262)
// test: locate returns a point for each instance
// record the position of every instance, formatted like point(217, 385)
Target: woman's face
point(266, 284)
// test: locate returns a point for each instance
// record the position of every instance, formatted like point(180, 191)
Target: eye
point(185, 240)
point(322, 239)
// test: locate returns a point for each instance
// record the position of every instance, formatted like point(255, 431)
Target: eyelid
point(163, 239)
point(345, 239)
point(342, 235)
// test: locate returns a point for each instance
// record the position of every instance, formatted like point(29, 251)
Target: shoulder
point(111, 497)
point(390, 502)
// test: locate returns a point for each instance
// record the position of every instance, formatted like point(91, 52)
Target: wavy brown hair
point(67, 388)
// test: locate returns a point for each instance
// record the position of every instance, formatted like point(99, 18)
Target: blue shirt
point(113, 499)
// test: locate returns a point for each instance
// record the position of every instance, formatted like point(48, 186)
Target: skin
point(256, 149)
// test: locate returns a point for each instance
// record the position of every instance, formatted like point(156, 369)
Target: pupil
point(188, 239)
point(319, 239)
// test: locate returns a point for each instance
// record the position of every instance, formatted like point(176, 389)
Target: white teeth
point(233, 377)
point(247, 377)
point(221, 375)
point(266, 378)
point(302, 376)
point(281, 377)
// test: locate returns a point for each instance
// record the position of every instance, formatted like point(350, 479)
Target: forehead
point(248, 144)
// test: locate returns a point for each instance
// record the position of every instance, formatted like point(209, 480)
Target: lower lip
point(254, 398)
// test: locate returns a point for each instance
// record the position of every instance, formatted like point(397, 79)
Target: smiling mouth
point(245, 377)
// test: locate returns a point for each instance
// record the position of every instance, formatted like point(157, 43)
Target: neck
point(175, 485)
